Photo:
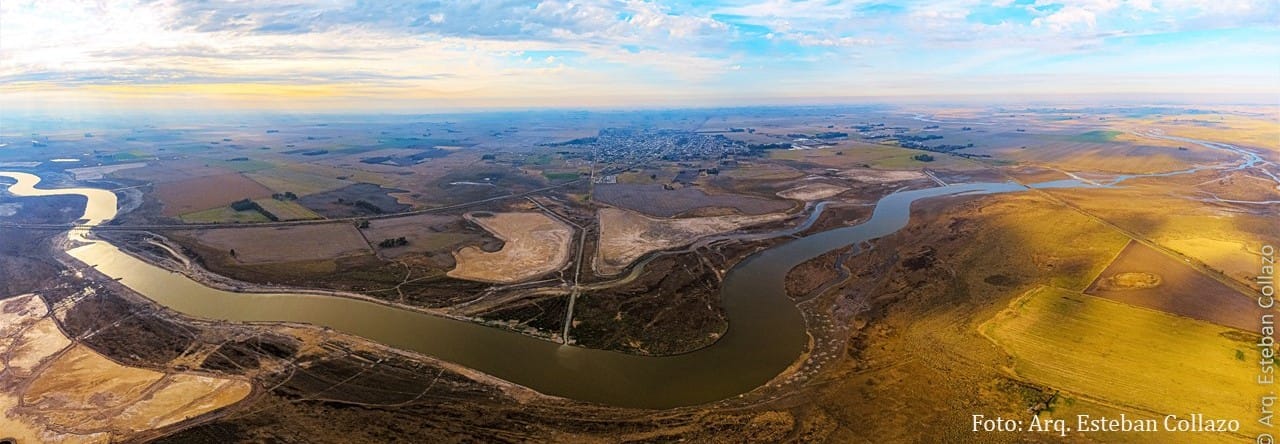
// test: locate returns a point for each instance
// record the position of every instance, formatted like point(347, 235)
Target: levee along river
point(766, 331)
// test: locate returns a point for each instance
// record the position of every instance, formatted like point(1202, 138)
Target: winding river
point(766, 333)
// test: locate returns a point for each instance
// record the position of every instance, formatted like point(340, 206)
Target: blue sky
point(425, 54)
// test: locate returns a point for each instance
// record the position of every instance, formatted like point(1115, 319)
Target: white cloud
point(471, 46)
point(1067, 18)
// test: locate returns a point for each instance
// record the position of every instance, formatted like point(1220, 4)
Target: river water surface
point(766, 331)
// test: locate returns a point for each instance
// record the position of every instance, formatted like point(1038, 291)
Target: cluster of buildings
point(625, 144)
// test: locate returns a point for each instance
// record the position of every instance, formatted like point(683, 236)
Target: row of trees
point(392, 243)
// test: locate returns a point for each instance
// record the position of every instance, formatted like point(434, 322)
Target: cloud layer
point(598, 52)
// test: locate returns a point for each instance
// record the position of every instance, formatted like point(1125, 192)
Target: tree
point(392, 243)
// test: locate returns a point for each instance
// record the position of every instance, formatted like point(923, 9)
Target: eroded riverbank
point(766, 332)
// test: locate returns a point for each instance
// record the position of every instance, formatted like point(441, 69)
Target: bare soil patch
point(535, 244)
point(64, 391)
point(812, 191)
point(882, 176)
point(1129, 281)
point(626, 235)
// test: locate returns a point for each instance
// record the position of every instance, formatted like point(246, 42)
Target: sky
point(460, 54)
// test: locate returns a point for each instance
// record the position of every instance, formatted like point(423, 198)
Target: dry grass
point(286, 210)
point(761, 171)
point(1144, 277)
point(163, 172)
point(920, 368)
point(1225, 240)
point(1249, 185)
point(535, 245)
point(60, 391)
point(1257, 132)
point(654, 200)
point(293, 179)
point(426, 233)
point(223, 215)
point(850, 154)
point(1114, 157)
point(1229, 256)
point(1154, 362)
point(201, 193)
point(261, 245)
point(812, 191)
point(879, 176)
point(626, 236)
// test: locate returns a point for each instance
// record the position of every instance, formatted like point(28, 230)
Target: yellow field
point(1144, 362)
point(316, 174)
point(293, 179)
point(222, 215)
point(1229, 256)
point(286, 210)
point(1257, 132)
point(1227, 241)
point(1118, 158)
point(761, 171)
point(877, 156)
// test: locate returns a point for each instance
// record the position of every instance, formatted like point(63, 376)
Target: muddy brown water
point(766, 331)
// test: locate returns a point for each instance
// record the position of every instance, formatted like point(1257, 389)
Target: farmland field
point(285, 210)
point(285, 244)
point(1097, 136)
point(359, 199)
point(1180, 290)
point(223, 215)
point(858, 154)
point(201, 193)
point(653, 200)
point(1233, 258)
point(425, 233)
point(241, 164)
point(1100, 349)
point(164, 172)
point(289, 179)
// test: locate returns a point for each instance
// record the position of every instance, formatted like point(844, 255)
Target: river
point(765, 336)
